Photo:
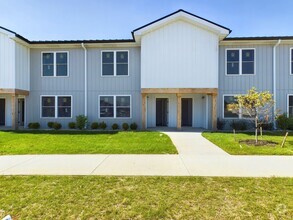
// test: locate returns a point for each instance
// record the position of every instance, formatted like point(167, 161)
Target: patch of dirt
point(260, 143)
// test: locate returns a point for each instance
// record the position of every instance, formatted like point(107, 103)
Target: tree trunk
point(256, 137)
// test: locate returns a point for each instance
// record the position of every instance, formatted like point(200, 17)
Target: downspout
point(85, 79)
point(274, 81)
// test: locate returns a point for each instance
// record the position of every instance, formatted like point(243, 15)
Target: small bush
point(50, 124)
point(267, 126)
point(34, 125)
point(238, 125)
point(95, 125)
point(220, 124)
point(57, 126)
point(103, 125)
point(81, 122)
point(72, 125)
point(115, 126)
point(133, 126)
point(125, 126)
point(283, 122)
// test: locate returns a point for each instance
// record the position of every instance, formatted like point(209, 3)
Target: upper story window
point(291, 61)
point(290, 105)
point(115, 106)
point(56, 106)
point(240, 61)
point(114, 63)
point(54, 64)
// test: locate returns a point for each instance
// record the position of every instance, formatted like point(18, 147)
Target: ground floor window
point(290, 105)
point(56, 106)
point(229, 99)
point(115, 106)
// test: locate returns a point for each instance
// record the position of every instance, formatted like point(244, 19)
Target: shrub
point(283, 122)
point(81, 122)
point(115, 126)
point(57, 126)
point(238, 125)
point(34, 125)
point(72, 125)
point(267, 126)
point(95, 125)
point(220, 124)
point(133, 126)
point(103, 125)
point(125, 126)
point(50, 124)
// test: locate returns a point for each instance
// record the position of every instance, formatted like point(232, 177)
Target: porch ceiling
point(14, 92)
point(179, 91)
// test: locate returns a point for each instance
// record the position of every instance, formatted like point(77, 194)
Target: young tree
point(256, 106)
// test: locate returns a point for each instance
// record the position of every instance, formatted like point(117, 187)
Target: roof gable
point(181, 15)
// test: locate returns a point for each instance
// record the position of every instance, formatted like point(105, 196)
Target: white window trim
point(240, 62)
point(288, 103)
point(114, 106)
point(56, 106)
point(55, 63)
point(115, 64)
point(290, 61)
point(223, 101)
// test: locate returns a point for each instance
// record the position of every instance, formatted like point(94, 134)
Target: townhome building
point(180, 70)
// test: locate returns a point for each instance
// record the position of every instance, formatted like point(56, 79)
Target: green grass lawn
point(227, 142)
point(32, 197)
point(84, 142)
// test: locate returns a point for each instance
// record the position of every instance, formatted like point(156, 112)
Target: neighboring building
point(180, 70)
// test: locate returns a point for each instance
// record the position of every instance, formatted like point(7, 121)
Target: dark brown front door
point(161, 112)
point(186, 112)
point(20, 112)
point(2, 111)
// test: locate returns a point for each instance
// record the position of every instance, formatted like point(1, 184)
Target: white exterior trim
point(54, 63)
point(115, 64)
point(240, 62)
point(115, 106)
point(223, 101)
point(56, 106)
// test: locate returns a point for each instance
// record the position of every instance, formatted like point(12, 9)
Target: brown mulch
point(260, 143)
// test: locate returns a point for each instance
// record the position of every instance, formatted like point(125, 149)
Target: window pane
point(106, 112)
point(229, 100)
point(122, 70)
point(48, 58)
point(122, 57)
point(61, 58)
point(233, 68)
point(247, 55)
point(64, 112)
point(108, 70)
point(292, 55)
point(122, 101)
point(64, 101)
point(248, 68)
point(232, 55)
point(291, 100)
point(48, 70)
point(106, 101)
point(292, 67)
point(291, 111)
point(61, 70)
point(64, 106)
point(291, 106)
point(108, 57)
point(48, 106)
point(123, 112)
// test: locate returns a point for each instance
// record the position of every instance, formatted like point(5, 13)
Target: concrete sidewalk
point(197, 157)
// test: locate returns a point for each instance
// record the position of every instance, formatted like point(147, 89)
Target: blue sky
point(115, 19)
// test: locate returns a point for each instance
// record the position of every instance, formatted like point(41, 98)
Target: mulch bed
point(260, 143)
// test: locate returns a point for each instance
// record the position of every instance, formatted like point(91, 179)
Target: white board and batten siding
point(14, 63)
point(179, 55)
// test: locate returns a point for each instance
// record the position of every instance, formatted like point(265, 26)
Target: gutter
point(85, 79)
point(274, 80)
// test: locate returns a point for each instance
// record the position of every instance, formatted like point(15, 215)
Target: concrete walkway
point(197, 157)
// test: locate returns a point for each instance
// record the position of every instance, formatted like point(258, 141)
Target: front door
point(186, 112)
point(20, 112)
point(2, 111)
point(161, 112)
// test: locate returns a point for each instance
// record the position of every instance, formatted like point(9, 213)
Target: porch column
point(214, 111)
point(178, 111)
point(143, 111)
point(14, 111)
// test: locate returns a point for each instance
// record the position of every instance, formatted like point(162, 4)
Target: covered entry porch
point(12, 108)
point(179, 107)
